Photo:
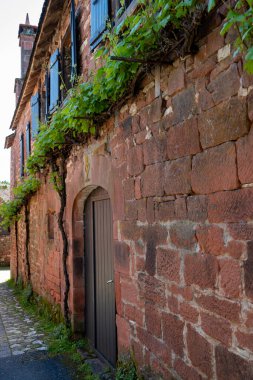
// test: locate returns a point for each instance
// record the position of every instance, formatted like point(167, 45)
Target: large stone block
point(232, 366)
point(201, 270)
point(225, 85)
point(183, 140)
point(184, 105)
point(168, 264)
point(152, 180)
point(231, 206)
point(215, 169)
point(173, 332)
point(200, 351)
point(225, 122)
point(245, 158)
point(220, 306)
point(177, 176)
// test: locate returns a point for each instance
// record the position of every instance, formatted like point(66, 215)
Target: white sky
point(12, 13)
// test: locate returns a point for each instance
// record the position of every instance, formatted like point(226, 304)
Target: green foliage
point(4, 185)
point(10, 210)
point(127, 368)
point(241, 18)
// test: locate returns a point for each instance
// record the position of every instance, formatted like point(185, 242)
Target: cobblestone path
point(18, 332)
point(23, 352)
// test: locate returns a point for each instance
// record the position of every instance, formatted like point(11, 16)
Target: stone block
point(222, 123)
point(177, 176)
point(183, 139)
point(215, 170)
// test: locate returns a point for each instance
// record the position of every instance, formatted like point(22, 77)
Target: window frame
point(112, 11)
point(28, 139)
point(22, 155)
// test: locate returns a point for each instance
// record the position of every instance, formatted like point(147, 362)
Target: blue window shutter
point(73, 40)
point(22, 156)
point(54, 80)
point(28, 139)
point(99, 17)
point(47, 100)
point(35, 111)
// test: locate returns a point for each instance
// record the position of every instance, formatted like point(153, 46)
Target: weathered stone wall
point(176, 161)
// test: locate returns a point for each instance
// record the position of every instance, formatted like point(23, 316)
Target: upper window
point(28, 139)
point(101, 10)
point(66, 65)
point(62, 68)
point(54, 80)
point(99, 17)
point(22, 155)
point(35, 114)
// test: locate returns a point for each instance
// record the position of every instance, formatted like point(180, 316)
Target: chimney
point(26, 34)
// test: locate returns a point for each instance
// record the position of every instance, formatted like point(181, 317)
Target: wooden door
point(99, 275)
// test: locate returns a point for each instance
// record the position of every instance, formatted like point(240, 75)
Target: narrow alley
point(23, 352)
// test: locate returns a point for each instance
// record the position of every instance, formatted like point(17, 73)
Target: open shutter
point(99, 17)
point(35, 110)
point(22, 156)
point(28, 139)
point(73, 41)
point(54, 81)
point(47, 100)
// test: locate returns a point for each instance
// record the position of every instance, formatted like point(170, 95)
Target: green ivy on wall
point(139, 36)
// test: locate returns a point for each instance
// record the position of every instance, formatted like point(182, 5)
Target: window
point(22, 155)
point(100, 13)
point(99, 17)
point(47, 95)
point(43, 108)
point(45, 103)
point(54, 81)
point(73, 41)
point(66, 64)
point(28, 139)
point(35, 111)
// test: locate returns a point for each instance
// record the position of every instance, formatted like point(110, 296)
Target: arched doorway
point(100, 323)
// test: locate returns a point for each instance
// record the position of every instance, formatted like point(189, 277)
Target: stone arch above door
point(78, 280)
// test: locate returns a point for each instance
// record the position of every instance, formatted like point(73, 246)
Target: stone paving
point(23, 352)
point(18, 332)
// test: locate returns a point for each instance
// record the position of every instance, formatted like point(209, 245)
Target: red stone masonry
point(177, 165)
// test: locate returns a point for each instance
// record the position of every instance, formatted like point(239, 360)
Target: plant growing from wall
point(240, 17)
point(59, 173)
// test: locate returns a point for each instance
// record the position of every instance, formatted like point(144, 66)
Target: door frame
point(99, 194)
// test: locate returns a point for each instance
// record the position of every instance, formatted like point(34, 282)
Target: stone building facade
point(175, 165)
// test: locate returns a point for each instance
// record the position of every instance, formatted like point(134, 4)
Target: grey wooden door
point(99, 275)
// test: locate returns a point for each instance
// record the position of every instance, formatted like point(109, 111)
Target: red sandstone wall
point(177, 164)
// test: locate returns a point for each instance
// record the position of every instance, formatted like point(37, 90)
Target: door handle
point(109, 282)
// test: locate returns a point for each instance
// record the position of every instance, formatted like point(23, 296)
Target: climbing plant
point(10, 210)
point(240, 17)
